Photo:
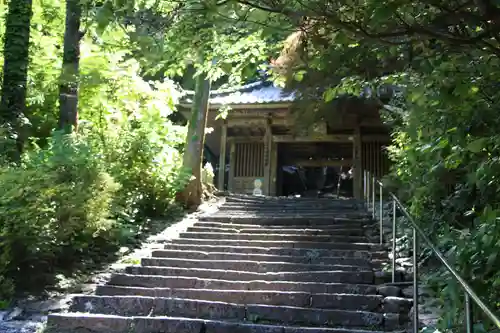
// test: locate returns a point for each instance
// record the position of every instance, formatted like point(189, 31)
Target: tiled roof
point(263, 92)
point(254, 93)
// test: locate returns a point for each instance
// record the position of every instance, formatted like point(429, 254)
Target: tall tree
point(68, 88)
point(195, 141)
point(15, 73)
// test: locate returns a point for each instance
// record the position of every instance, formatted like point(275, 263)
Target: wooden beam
point(283, 121)
point(244, 139)
point(247, 122)
point(386, 138)
point(346, 138)
point(322, 163)
point(222, 157)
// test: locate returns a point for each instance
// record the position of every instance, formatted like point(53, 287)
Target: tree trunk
point(15, 73)
point(69, 81)
point(193, 154)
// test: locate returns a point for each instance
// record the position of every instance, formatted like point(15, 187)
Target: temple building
point(260, 153)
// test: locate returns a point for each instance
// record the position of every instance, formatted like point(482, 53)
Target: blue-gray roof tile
point(261, 92)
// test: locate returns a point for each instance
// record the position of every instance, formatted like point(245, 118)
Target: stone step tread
point(278, 243)
point(296, 251)
point(275, 214)
point(320, 202)
point(304, 259)
point(303, 276)
point(99, 323)
point(285, 298)
point(332, 227)
point(301, 211)
point(271, 236)
point(259, 209)
point(246, 265)
point(246, 218)
point(151, 306)
point(294, 207)
point(279, 212)
point(159, 281)
point(305, 203)
point(289, 231)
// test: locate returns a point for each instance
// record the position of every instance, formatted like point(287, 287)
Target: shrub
point(52, 209)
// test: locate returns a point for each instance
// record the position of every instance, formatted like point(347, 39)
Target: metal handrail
point(370, 183)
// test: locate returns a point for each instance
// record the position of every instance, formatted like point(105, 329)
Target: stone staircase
point(258, 265)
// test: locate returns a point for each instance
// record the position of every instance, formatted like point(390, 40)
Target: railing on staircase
point(371, 186)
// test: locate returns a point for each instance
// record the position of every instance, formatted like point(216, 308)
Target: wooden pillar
point(268, 139)
point(222, 157)
point(357, 163)
point(232, 165)
point(274, 168)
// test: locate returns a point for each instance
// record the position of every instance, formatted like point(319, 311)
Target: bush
point(446, 148)
point(76, 199)
point(52, 209)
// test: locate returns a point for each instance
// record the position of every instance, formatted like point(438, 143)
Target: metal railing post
point(394, 240)
point(415, 282)
point(381, 217)
point(469, 322)
point(373, 197)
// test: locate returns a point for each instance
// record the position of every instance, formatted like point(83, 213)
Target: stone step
point(355, 277)
point(271, 237)
point(290, 207)
point(277, 243)
point(246, 265)
point(332, 227)
point(246, 218)
point(158, 281)
point(308, 252)
point(100, 323)
point(288, 315)
point(200, 255)
point(271, 212)
point(279, 210)
point(320, 200)
point(284, 298)
point(287, 201)
point(289, 231)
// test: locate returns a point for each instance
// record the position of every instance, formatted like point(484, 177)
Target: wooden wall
point(247, 164)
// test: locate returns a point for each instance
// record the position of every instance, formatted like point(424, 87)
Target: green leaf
point(330, 94)
point(104, 17)
point(299, 76)
point(477, 145)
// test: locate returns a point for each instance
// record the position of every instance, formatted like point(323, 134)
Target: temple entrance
point(314, 169)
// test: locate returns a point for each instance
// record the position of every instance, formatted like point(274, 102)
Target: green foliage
point(445, 153)
point(53, 208)
point(75, 200)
